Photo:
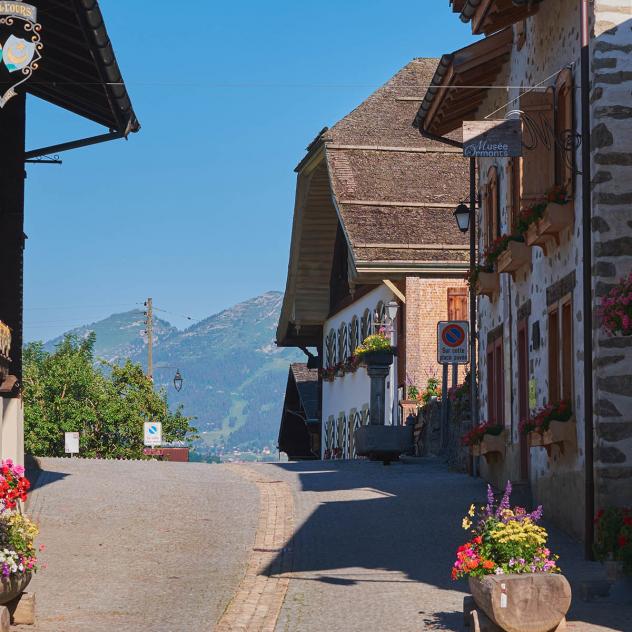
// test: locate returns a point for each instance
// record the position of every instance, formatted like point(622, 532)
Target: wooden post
point(150, 338)
point(12, 174)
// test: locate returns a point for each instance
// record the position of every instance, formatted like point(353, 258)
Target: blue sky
point(196, 209)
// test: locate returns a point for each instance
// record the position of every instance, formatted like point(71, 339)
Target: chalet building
point(373, 224)
point(299, 434)
point(62, 54)
point(531, 314)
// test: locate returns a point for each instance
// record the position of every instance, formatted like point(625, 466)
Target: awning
point(461, 82)
point(490, 16)
point(78, 70)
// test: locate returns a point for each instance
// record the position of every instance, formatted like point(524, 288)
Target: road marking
point(257, 603)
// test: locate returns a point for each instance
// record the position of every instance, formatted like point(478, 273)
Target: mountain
point(234, 375)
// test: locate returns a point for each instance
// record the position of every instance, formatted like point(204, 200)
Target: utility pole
point(149, 330)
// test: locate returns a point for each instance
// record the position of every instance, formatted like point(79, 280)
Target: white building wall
point(12, 429)
point(352, 390)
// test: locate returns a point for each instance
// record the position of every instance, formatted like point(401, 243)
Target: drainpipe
point(473, 352)
point(587, 276)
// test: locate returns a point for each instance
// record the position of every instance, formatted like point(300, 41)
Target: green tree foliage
point(65, 392)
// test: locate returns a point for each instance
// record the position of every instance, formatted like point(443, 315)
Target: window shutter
point(457, 303)
point(538, 162)
point(565, 131)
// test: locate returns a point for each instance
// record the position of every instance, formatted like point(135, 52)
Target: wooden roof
point(306, 381)
point(490, 16)
point(393, 193)
point(461, 82)
point(78, 70)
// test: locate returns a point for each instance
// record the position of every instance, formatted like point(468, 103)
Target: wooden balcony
point(517, 255)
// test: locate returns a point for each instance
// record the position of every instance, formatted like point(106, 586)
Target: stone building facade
point(531, 327)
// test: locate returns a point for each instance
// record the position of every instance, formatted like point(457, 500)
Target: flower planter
point(377, 358)
point(492, 447)
point(556, 218)
point(488, 284)
point(533, 237)
point(383, 443)
point(560, 433)
point(517, 255)
point(13, 586)
point(535, 602)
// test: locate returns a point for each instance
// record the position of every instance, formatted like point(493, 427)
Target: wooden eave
point(455, 95)
point(490, 16)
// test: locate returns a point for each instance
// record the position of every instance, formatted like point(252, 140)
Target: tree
point(65, 391)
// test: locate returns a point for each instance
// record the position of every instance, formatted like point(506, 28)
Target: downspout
point(589, 532)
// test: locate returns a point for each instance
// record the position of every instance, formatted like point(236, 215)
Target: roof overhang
point(490, 16)
point(461, 83)
point(78, 70)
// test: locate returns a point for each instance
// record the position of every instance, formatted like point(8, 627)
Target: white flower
point(499, 571)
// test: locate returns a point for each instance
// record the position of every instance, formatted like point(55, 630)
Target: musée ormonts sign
point(20, 46)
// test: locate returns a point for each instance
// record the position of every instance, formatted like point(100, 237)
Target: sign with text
point(453, 342)
point(153, 433)
point(71, 442)
point(492, 139)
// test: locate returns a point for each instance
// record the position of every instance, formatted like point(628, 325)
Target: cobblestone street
point(371, 550)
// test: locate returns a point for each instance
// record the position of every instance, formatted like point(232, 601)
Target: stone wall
point(611, 121)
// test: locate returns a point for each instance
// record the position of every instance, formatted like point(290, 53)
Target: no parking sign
point(452, 342)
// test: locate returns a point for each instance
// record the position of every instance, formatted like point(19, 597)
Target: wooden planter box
point(556, 218)
point(560, 433)
point(527, 602)
point(488, 284)
point(517, 255)
point(492, 447)
point(533, 237)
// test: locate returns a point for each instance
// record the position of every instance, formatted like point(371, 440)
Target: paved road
point(140, 546)
point(294, 547)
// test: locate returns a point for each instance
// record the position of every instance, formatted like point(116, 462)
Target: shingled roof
point(392, 191)
point(307, 386)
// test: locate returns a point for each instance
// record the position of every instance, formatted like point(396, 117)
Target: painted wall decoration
point(20, 46)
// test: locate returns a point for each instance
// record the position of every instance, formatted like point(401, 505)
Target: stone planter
point(492, 447)
point(560, 433)
point(488, 284)
point(517, 255)
point(535, 602)
point(377, 358)
point(13, 586)
point(383, 443)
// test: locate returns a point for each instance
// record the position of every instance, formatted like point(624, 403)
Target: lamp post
point(466, 221)
point(178, 380)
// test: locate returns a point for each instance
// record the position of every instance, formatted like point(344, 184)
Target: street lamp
point(462, 216)
point(177, 380)
point(391, 309)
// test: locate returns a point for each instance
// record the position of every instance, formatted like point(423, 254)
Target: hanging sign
point(20, 45)
point(452, 342)
point(492, 139)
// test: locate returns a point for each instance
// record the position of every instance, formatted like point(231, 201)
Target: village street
point(144, 546)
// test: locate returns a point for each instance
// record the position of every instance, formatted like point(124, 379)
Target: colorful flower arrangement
point(374, 342)
point(17, 532)
point(5, 340)
point(497, 247)
point(541, 420)
point(535, 212)
point(615, 309)
point(432, 390)
point(506, 541)
point(613, 537)
point(477, 434)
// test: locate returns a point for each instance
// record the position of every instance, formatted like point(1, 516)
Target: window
point(560, 351)
point(514, 190)
point(457, 303)
point(492, 207)
point(342, 343)
point(380, 315)
point(354, 334)
point(564, 131)
point(330, 344)
point(495, 382)
point(365, 325)
point(538, 162)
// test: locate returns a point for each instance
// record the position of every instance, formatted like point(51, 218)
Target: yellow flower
point(467, 523)
point(471, 512)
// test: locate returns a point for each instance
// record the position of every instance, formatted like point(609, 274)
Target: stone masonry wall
point(611, 121)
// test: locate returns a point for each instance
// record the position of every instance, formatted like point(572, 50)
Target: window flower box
point(556, 218)
point(517, 255)
point(559, 433)
point(533, 237)
point(492, 447)
point(488, 284)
